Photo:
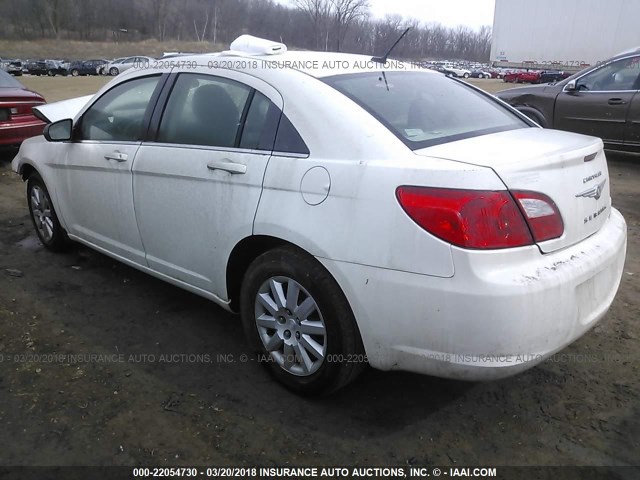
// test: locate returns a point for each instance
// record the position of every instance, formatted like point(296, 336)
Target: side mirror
point(59, 131)
point(571, 87)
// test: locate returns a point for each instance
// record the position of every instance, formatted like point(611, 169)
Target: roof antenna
point(383, 59)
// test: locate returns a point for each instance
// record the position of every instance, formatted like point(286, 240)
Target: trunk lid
point(569, 168)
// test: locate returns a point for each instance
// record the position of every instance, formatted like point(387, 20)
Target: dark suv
point(86, 67)
point(602, 101)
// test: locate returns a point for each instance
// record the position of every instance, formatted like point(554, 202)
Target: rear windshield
point(425, 109)
point(7, 80)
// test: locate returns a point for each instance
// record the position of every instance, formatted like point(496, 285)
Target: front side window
point(204, 110)
point(620, 75)
point(119, 114)
point(424, 109)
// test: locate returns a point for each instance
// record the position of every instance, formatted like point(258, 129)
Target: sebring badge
point(594, 192)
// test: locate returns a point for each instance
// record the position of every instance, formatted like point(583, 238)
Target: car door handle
point(616, 101)
point(227, 166)
point(117, 156)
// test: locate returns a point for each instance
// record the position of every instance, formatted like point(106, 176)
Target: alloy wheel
point(290, 326)
point(42, 214)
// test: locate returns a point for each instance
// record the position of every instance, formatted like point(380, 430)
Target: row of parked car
point(75, 68)
point(535, 76)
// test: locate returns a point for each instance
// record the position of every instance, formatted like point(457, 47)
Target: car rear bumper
point(501, 313)
point(16, 132)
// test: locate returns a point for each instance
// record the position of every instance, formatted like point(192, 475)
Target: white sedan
point(353, 213)
point(120, 65)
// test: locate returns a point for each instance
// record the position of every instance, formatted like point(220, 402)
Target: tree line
point(332, 25)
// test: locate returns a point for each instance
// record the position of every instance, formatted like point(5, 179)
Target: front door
point(601, 101)
point(95, 177)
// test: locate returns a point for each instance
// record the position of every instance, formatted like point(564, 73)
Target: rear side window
point(288, 139)
point(424, 109)
point(204, 110)
point(261, 124)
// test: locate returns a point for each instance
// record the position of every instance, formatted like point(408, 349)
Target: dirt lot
point(142, 400)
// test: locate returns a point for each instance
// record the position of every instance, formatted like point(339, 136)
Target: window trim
point(153, 101)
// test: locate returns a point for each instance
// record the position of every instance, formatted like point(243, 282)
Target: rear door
point(600, 105)
point(197, 186)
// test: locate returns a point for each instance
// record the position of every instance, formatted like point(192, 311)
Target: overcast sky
point(473, 13)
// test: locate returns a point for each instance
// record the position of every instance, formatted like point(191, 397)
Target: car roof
point(316, 64)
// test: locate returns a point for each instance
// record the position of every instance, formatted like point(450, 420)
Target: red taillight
point(467, 218)
point(542, 215)
point(483, 219)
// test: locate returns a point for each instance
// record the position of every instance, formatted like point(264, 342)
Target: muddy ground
point(166, 384)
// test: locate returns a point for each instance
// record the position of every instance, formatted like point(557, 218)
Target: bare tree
point(318, 12)
point(344, 13)
point(327, 25)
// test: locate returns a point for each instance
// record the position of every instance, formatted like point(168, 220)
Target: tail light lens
point(467, 218)
point(542, 215)
point(479, 219)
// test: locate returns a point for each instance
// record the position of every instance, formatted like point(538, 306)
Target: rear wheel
point(44, 217)
point(466, 75)
point(536, 117)
point(75, 72)
point(298, 321)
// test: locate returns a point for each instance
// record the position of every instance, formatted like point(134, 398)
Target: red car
point(17, 121)
point(522, 77)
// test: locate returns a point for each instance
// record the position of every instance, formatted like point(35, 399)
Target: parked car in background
point(521, 77)
point(119, 66)
point(56, 67)
point(86, 67)
point(603, 101)
point(17, 121)
point(404, 219)
point(35, 67)
point(14, 67)
point(553, 76)
point(103, 69)
point(480, 74)
point(460, 72)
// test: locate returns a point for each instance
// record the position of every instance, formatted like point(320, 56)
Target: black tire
point(536, 117)
point(114, 71)
point(75, 72)
point(344, 359)
point(466, 75)
point(59, 240)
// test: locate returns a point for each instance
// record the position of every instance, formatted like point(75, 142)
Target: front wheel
point(114, 71)
point(44, 217)
point(299, 322)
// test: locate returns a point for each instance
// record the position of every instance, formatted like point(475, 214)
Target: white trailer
point(565, 34)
